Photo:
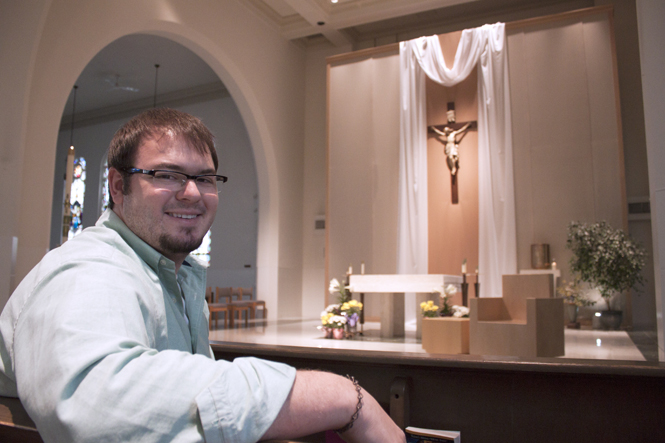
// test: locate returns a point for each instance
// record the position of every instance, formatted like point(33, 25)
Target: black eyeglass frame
point(152, 172)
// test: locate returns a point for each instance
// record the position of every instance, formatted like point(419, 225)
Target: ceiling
point(306, 18)
point(120, 79)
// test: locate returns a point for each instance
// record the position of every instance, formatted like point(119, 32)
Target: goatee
point(173, 245)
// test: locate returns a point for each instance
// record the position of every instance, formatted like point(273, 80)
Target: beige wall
point(314, 285)
point(363, 168)
point(567, 152)
point(53, 53)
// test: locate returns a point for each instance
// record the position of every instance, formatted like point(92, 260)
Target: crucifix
point(451, 134)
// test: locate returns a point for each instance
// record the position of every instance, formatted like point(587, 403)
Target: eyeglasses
point(176, 181)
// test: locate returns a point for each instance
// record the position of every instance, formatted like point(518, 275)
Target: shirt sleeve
point(87, 370)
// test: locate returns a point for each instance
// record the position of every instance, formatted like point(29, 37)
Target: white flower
point(337, 319)
point(451, 289)
point(330, 308)
point(438, 289)
point(334, 285)
point(460, 311)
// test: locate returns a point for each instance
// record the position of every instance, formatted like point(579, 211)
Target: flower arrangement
point(444, 296)
point(605, 257)
point(429, 309)
point(572, 293)
point(351, 310)
point(460, 311)
point(342, 314)
point(336, 321)
point(343, 291)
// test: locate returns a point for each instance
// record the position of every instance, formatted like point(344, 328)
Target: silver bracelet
point(359, 406)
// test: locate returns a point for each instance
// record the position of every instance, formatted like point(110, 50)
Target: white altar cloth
point(394, 286)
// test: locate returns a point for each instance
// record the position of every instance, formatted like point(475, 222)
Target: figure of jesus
point(452, 145)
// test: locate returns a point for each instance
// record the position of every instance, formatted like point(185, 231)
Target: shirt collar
point(147, 253)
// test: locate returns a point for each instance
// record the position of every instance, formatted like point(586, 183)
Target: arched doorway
point(118, 83)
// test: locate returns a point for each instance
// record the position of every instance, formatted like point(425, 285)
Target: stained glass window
point(203, 251)
point(76, 198)
point(105, 187)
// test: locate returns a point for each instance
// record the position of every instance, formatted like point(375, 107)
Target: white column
point(650, 19)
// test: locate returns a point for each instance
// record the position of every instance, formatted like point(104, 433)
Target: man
point(106, 339)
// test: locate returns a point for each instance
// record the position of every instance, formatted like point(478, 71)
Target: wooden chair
point(239, 307)
point(254, 304)
point(236, 305)
point(215, 307)
point(225, 293)
point(237, 293)
point(524, 322)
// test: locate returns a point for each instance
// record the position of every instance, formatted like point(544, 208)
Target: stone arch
point(57, 64)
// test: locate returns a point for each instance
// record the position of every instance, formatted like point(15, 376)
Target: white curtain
point(485, 47)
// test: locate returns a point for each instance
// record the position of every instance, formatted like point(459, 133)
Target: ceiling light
point(333, 1)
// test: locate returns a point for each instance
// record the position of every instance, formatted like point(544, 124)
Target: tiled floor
point(588, 344)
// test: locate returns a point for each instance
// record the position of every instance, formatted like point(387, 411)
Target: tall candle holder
point(476, 287)
point(465, 290)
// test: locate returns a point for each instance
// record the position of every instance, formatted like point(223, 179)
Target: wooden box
point(446, 335)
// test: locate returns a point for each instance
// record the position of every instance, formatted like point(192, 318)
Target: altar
point(394, 286)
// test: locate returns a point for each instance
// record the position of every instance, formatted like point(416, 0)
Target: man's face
point(174, 223)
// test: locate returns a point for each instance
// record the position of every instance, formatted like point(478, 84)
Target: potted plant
point(337, 324)
point(342, 315)
point(351, 310)
point(573, 299)
point(608, 259)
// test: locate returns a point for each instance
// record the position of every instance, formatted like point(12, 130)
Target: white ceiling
point(121, 78)
point(306, 18)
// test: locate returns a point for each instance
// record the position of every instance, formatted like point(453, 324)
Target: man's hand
point(321, 401)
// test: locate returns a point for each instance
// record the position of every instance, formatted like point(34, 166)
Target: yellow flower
point(326, 317)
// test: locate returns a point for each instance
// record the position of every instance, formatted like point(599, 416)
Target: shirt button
point(162, 262)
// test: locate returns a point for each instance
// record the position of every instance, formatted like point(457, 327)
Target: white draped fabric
point(485, 47)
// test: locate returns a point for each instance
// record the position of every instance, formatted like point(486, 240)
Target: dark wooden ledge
point(470, 362)
point(15, 424)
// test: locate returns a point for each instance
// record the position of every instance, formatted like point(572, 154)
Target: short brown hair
point(153, 122)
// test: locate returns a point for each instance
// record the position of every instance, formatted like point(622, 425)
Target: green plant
point(605, 257)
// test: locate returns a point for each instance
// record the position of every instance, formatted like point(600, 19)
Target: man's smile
point(186, 216)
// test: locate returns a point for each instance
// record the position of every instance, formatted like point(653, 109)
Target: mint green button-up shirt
point(95, 343)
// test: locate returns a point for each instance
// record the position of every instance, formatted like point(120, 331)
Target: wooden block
point(392, 315)
point(446, 335)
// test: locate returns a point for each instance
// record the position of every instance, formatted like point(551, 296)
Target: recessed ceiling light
point(333, 1)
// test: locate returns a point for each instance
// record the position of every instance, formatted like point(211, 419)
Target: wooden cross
point(448, 134)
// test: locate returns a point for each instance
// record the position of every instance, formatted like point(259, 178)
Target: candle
point(350, 271)
point(553, 264)
point(362, 268)
point(464, 267)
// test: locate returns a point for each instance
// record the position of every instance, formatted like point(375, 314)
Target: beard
point(170, 244)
